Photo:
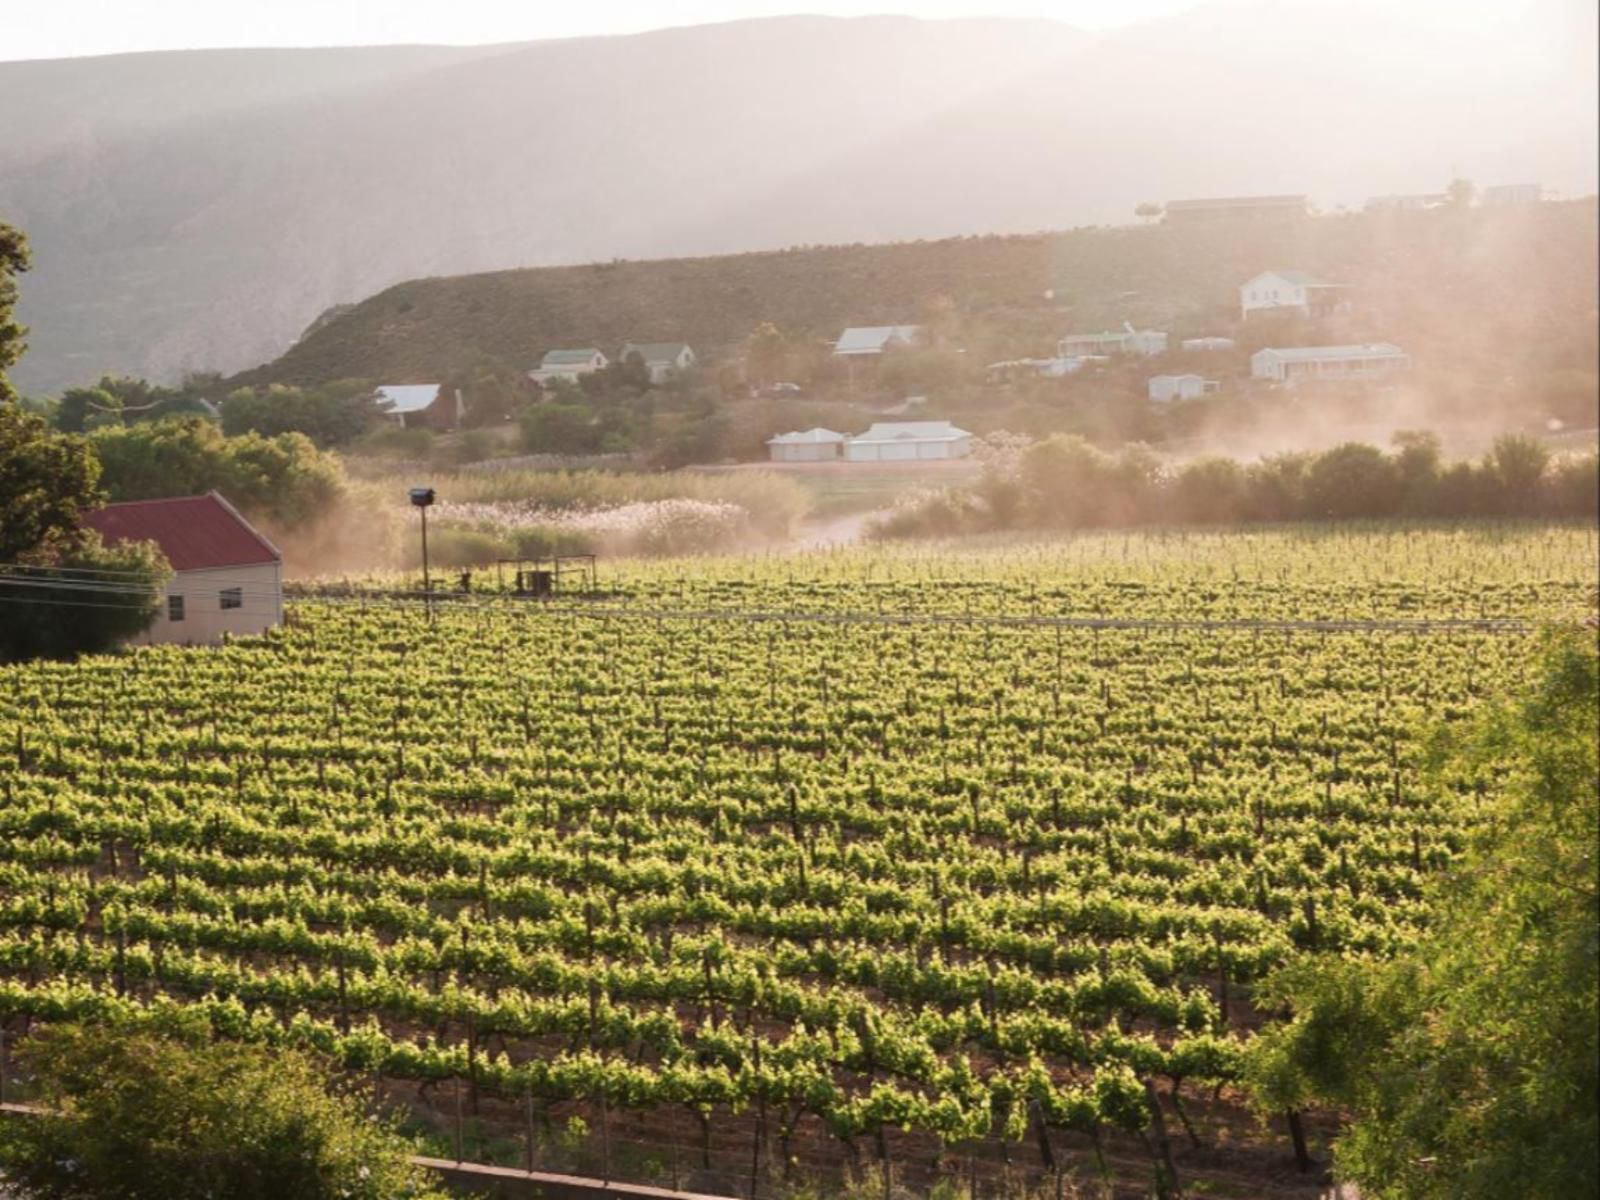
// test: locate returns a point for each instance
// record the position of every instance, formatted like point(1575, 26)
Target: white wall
point(804, 451)
point(204, 618)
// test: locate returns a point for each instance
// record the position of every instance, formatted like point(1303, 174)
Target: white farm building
point(1289, 291)
point(413, 404)
point(1165, 388)
point(570, 365)
point(226, 576)
point(908, 441)
point(1143, 342)
point(867, 341)
point(812, 445)
point(1291, 364)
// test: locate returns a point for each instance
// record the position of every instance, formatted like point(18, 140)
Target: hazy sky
point(66, 28)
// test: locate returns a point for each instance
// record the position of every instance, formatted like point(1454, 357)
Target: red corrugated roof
point(196, 533)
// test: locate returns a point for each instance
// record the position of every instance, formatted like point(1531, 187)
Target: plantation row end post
point(422, 498)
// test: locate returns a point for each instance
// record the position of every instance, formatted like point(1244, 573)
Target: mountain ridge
point(212, 238)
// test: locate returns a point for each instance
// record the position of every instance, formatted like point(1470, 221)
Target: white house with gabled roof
point(1289, 291)
point(570, 365)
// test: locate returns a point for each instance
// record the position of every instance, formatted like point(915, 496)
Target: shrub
point(143, 1117)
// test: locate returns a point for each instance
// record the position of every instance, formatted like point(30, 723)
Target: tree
point(284, 478)
point(1147, 211)
point(1461, 192)
point(87, 600)
point(1351, 480)
point(1417, 460)
point(1468, 1063)
point(46, 482)
point(78, 404)
point(144, 1117)
point(14, 260)
point(766, 355)
point(1518, 464)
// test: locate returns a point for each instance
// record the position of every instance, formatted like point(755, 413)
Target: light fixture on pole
point(422, 498)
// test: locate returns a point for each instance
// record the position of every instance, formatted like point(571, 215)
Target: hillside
point(200, 210)
point(1437, 281)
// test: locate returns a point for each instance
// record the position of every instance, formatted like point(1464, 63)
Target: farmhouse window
point(233, 597)
point(174, 608)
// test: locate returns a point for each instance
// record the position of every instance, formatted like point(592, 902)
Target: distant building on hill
point(1236, 207)
point(813, 445)
point(1511, 193)
point(662, 360)
point(1289, 291)
point(864, 341)
point(1207, 344)
point(1143, 342)
point(411, 405)
point(227, 577)
point(1163, 389)
point(1413, 202)
point(570, 365)
point(909, 441)
point(1296, 363)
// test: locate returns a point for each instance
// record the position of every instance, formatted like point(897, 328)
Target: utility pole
point(422, 498)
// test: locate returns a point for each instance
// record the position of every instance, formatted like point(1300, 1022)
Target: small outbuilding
point(909, 441)
point(1294, 363)
point(662, 360)
point(227, 577)
point(410, 405)
point(1207, 344)
point(1166, 388)
point(812, 445)
point(866, 341)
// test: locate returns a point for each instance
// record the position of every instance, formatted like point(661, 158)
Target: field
point(942, 862)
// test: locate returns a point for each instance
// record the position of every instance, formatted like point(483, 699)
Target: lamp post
point(422, 498)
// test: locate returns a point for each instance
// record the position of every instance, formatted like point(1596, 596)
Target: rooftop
point(809, 437)
point(568, 358)
point(1325, 353)
point(196, 533)
point(1296, 201)
point(1298, 278)
point(409, 397)
point(908, 431)
point(873, 339)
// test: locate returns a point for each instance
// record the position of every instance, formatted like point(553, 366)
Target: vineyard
point(854, 857)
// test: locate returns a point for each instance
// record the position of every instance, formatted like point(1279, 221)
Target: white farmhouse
point(413, 404)
point(1166, 388)
point(1142, 342)
point(227, 577)
point(909, 441)
point(662, 360)
point(865, 341)
point(812, 445)
point(1289, 291)
point(570, 365)
point(1291, 364)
